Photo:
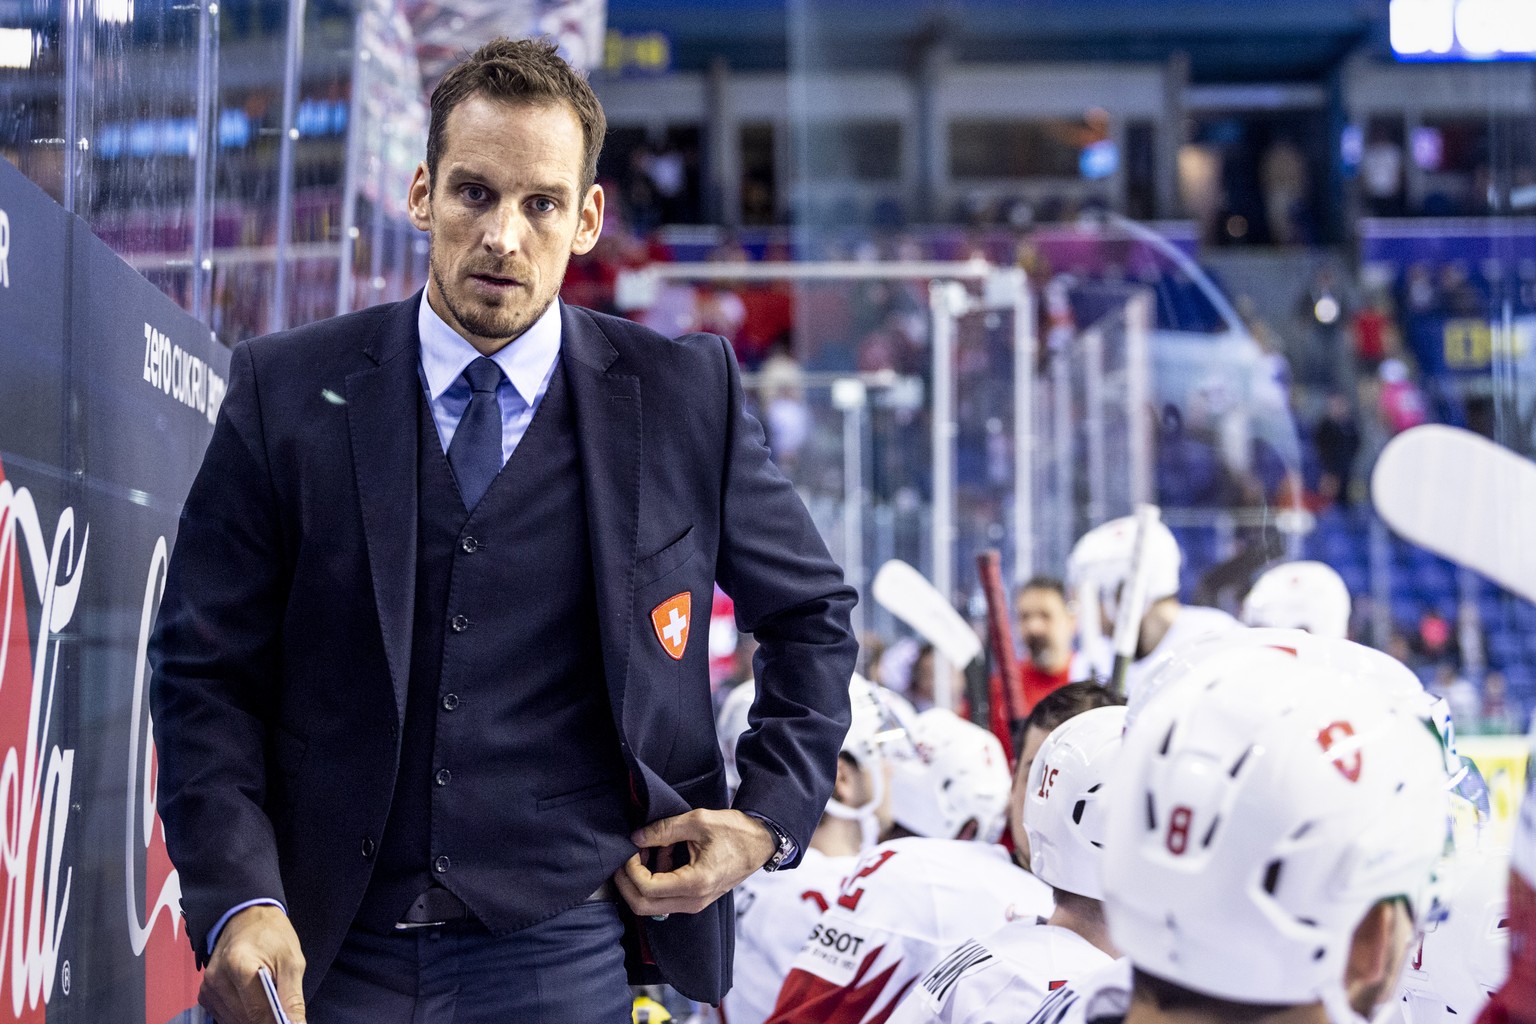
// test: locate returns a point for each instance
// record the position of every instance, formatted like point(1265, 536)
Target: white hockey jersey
point(775, 911)
point(904, 904)
point(998, 979)
point(1104, 997)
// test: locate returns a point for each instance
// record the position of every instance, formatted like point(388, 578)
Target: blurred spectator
point(890, 347)
point(1401, 403)
point(1419, 290)
point(1375, 333)
point(720, 310)
point(1283, 175)
point(1323, 360)
point(1499, 715)
point(1337, 438)
point(786, 417)
point(1436, 639)
point(1381, 176)
point(768, 319)
point(1459, 692)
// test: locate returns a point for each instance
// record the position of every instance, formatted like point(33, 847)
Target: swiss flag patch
point(671, 619)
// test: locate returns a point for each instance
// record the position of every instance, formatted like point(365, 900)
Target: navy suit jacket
point(283, 643)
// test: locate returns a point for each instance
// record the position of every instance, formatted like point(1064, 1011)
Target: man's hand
point(257, 936)
point(724, 847)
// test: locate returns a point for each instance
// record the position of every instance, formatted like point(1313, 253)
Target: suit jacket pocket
point(586, 792)
point(705, 790)
point(653, 567)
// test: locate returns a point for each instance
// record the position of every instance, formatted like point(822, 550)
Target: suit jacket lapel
point(382, 405)
point(606, 404)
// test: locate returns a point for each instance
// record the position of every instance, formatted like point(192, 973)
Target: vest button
point(469, 545)
point(450, 701)
point(441, 865)
point(459, 623)
point(443, 777)
point(368, 849)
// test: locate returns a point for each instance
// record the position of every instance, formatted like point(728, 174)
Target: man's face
point(1047, 626)
point(1034, 739)
point(506, 212)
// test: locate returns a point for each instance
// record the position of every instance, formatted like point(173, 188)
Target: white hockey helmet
point(1262, 805)
point(1064, 800)
point(959, 773)
point(1300, 595)
point(1362, 665)
point(1463, 959)
point(874, 726)
point(1100, 562)
point(730, 722)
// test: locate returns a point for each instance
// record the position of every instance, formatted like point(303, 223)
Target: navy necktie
point(475, 451)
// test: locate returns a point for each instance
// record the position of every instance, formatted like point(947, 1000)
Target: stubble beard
point(493, 324)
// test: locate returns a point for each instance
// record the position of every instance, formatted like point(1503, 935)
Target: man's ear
point(846, 782)
point(590, 223)
point(418, 199)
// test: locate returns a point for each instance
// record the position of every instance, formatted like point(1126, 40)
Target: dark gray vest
point(511, 791)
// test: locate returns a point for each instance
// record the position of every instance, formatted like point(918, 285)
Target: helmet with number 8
point(958, 774)
point(1463, 959)
point(1300, 595)
point(1262, 806)
point(1065, 799)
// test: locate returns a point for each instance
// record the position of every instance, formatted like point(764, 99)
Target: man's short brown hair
point(519, 71)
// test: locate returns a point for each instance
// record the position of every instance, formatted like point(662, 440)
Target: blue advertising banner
point(108, 393)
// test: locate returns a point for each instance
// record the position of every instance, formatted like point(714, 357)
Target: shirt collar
point(526, 361)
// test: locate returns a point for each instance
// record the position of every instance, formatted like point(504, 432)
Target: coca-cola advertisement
point(109, 395)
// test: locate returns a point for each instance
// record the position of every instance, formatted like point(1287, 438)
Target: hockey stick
point(1133, 600)
point(907, 594)
point(989, 569)
point(1463, 497)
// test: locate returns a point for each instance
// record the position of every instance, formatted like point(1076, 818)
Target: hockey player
point(1299, 595)
point(1099, 572)
point(1058, 706)
point(910, 899)
point(1005, 975)
point(972, 800)
point(1274, 834)
point(775, 911)
point(1515, 1003)
point(1461, 961)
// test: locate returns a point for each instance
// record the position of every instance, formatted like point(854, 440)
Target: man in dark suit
point(435, 743)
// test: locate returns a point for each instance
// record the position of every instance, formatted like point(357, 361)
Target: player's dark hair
point(1171, 998)
point(1068, 702)
point(519, 71)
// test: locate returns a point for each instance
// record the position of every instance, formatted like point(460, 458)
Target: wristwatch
point(783, 845)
